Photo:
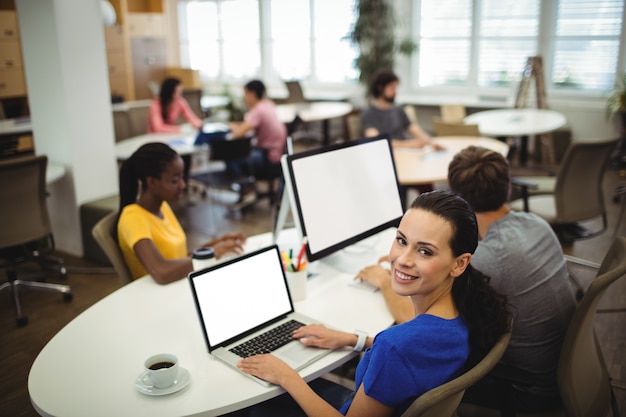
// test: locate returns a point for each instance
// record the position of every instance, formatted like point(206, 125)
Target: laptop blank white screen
point(242, 295)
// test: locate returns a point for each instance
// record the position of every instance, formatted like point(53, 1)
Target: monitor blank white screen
point(346, 192)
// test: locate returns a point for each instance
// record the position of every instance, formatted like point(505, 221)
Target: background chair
point(577, 192)
point(295, 94)
point(228, 151)
point(443, 400)
point(194, 98)
point(585, 385)
point(103, 233)
point(26, 232)
point(352, 125)
point(454, 129)
point(452, 113)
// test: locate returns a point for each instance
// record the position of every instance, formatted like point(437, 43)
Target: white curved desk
point(424, 166)
point(89, 368)
point(182, 143)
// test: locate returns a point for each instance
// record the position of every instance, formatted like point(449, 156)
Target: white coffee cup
point(161, 370)
point(297, 284)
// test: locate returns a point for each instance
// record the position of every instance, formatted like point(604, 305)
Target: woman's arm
point(400, 307)
point(274, 370)
point(189, 115)
point(163, 271)
point(157, 124)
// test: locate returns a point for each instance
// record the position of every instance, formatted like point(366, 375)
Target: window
point(271, 39)
point(220, 37)
point(587, 43)
point(486, 43)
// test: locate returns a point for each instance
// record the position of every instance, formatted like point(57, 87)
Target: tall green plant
point(373, 33)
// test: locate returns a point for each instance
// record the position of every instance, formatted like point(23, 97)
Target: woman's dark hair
point(257, 87)
point(482, 308)
point(150, 160)
point(166, 95)
point(380, 80)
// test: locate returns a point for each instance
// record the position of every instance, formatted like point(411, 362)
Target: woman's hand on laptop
point(228, 243)
point(269, 368)
point(321, 336)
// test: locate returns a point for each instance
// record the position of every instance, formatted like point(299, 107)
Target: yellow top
point(136, 223)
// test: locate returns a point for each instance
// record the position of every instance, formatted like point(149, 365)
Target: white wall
point(68, 90)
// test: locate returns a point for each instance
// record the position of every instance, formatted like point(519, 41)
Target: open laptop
point(242, 298)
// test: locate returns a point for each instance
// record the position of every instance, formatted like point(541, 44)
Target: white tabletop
point(89, 368)
point(208, 102)
point(516, 122)
point(312, 112)
point(54, 172)
point(182, 143)
point(426, 166)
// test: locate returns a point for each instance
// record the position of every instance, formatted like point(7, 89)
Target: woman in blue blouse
point(458, 319)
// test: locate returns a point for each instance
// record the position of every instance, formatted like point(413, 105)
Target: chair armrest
point(525, 186)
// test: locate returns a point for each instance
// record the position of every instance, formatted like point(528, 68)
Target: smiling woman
point(148, 232)
point(458, 318)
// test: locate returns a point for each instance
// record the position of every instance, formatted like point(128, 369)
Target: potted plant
point(373, 33)
point(616, 103)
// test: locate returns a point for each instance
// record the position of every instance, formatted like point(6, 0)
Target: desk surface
point(425, 166)
point(54, 172)
point(312, 112)
point(516, 122)
point(89, 368)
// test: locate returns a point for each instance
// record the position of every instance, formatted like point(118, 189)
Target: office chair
point(271, 174)
point(452, 113)
point(353, 125)
point(26, 231)
point(586, 388)
point(443, 400)
point(295, 93)
point(194, 98)
point(454, 129)
point(228, 151)
point(577, 192)
point(103, 234)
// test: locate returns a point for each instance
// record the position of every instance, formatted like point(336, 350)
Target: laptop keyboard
point(268, 341)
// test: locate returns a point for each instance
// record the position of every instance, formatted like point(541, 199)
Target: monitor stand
point(352, 259)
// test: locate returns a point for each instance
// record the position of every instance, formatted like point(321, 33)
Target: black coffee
point(160, 365)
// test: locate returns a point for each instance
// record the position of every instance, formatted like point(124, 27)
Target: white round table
point(519, 123)
point(516, 122)
point(313, 112)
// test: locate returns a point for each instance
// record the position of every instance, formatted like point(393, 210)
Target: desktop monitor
point(342, 194)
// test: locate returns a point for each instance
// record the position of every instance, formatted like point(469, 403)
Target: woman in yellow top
point(148, 232)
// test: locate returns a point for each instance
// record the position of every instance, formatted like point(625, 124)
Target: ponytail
point(483, 309)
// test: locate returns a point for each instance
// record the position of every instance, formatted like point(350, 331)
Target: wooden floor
point(206, 218)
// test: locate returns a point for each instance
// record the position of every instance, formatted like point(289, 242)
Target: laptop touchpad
point(296, 352)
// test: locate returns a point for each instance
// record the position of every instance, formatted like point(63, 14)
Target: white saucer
point(181, 382)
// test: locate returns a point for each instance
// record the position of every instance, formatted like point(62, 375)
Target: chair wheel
point(68, 296)
point(22, 321)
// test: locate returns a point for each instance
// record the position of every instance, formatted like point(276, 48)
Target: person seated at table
point(457, 318)
point(148, 232)
point(271, 134)
point(383, 116)
point(166, 109)
point(522, 255)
